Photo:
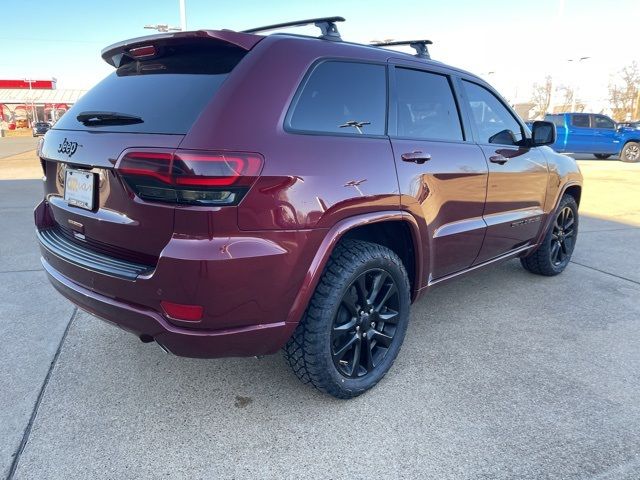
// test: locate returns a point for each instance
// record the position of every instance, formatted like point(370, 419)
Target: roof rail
point(420, 46)
point(327, 26)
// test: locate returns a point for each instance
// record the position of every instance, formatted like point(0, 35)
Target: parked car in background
point(304, 192)
point(596, 134)
point(40, 128)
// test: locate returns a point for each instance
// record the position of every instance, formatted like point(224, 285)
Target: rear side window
point(167, 93)
point(344, 98)
point(426, 107)
point(580, 121)
point(557, 120)
point(494, 122)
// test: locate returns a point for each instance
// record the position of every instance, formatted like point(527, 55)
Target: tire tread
point(303, 352)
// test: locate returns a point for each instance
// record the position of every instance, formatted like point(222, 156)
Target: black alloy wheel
point(365, 323)
point(553, 254)
point(355, 323)
point(563, 236)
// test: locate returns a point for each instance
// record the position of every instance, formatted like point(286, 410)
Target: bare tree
point(624, 93)
point(541, 97)
point(568, 100)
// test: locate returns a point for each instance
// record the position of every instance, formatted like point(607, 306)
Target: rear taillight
point(191, 177)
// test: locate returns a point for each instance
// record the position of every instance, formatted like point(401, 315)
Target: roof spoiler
point(116, 53)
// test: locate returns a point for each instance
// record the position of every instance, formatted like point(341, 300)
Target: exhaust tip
point(146, 338)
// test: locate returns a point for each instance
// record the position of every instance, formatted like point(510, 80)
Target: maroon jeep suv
point(227, 193)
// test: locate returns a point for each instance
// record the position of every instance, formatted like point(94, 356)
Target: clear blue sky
point(519, 41)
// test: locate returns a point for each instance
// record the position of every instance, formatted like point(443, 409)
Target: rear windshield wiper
point(107, 118)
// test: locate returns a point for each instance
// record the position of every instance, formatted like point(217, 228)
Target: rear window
point(167, 93)
point(342, 97)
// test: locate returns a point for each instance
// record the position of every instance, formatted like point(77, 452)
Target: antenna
point(327, 26)
point(420, 46)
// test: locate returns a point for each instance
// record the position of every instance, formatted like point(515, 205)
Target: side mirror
point(543, 133)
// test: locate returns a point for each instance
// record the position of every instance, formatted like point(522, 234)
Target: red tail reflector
point(179, 311)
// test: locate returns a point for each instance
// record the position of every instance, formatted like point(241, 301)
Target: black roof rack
point(420, 46)
point(327, 26)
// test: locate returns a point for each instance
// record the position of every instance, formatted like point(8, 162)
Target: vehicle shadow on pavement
point(502, 374)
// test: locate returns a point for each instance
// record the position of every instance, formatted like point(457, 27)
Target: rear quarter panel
point(308, 181)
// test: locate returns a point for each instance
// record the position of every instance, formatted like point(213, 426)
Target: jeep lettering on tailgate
point(68, 148)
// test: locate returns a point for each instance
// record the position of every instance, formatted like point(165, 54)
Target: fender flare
point(331, 239)
point(549, 219)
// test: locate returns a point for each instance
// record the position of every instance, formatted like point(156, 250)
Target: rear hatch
point(159, 88)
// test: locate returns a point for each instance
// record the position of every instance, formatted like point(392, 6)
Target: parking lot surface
point(15, 145)
point(503, 374)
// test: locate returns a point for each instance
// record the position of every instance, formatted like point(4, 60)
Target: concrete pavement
point(503, 374)
point(15, 145)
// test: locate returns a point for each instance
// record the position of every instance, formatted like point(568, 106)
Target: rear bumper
point(245, 341)
point(247, 284)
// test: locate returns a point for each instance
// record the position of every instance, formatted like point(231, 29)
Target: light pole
point(183, 15)
point(34, 114)
point(574, 99)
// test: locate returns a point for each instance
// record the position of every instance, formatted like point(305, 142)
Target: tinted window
point(342, 97)
point(494, 122)
point(557, 120)
point(580, 121)
point(167, 92)
point(603, 122)
point(426, 107)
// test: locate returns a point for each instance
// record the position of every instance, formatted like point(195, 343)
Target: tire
point(554, 254)
point(601, 156)
point(323, 349)
point(630, 152)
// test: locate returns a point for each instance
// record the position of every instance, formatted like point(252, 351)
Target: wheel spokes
point(361, 290)
point(555, 248)
point(346, 327)
point(364, 324)
point(339, 354)
point(391, 289)
point(355, 367)
point(569, 222)
point(377, 285)
point(382, 338)
point(389, 316)
point(349, 303)
point(368, 355)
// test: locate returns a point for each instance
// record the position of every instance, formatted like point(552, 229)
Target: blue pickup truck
point(596, 134)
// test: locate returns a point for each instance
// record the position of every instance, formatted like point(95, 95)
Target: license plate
point(79, 188)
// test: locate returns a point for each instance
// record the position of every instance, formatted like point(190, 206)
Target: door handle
point(500, 159)
point(416, 157)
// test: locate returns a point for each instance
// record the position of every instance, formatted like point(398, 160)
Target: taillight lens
point(191, 177)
